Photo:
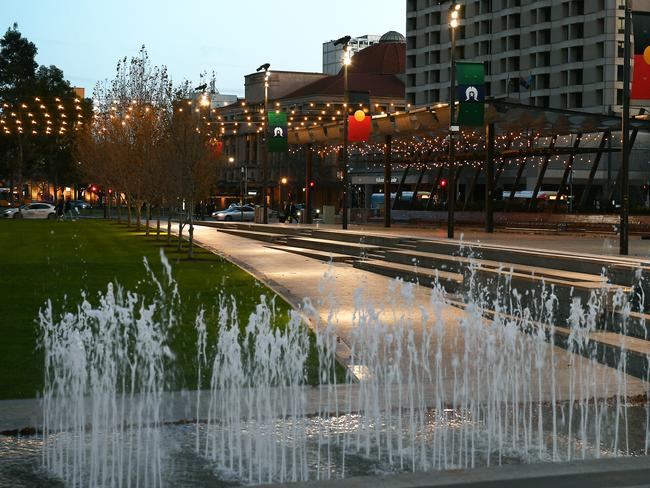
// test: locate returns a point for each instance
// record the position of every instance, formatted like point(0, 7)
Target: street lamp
point(625, 142)
point(283, 184)
point(345, 42)
point(454, 19)
point(244, 182)
point(267, 74)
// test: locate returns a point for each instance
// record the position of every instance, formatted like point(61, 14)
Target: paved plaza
point(297, 277)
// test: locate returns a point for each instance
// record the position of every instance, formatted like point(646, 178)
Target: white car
point(35, 210)
point(236, 214)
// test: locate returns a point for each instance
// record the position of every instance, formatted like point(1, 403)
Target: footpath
point(296, 277)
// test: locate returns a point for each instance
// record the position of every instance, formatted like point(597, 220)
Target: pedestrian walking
point(68, 210)
point(292, 212)
point(59, 209)
point(287, 212)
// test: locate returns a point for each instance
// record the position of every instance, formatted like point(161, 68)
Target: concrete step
point(637, 324)
point(620, 270)
point(427, 277)
point(250, 234)
point(356, 237)
point(410, 247)
point(459, 263)
point(604, 346)
point(350, 248)
point(314, 254)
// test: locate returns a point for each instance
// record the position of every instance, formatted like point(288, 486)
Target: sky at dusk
point(85, 38)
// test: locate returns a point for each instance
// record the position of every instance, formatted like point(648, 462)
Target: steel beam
point(592, 171)
point(540, 178)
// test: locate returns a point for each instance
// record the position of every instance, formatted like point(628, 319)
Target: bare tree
point(191, 156)
point(131, 126)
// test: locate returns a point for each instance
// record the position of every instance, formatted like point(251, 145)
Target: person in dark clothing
point(59, 209)
point(293, 211)
point(287, 213)
point(68, 209)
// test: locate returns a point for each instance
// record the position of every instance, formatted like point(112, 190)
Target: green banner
point(470, 73)
point(277, 133)
point(470, 115)
point(471, 94)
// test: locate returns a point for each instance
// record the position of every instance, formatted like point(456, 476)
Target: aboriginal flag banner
point(641, 78)
point(359, 126)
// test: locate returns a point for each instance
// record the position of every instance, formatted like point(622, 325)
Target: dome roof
point(392, 36)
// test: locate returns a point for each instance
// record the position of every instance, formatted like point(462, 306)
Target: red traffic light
point(443, 183)
point(110, 191)
point(312, 184)
point(93, 188)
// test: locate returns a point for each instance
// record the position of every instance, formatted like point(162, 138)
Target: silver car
point(36, 210)
point(236, 214)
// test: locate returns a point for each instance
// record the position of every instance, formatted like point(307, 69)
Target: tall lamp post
point(625, 143)
point(345, 42)
point(454, 18)
point(265, 161)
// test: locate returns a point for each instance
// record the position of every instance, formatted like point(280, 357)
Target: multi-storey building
point(558, 54)
point(564, 54)
point(307, 99)
point(333, 55)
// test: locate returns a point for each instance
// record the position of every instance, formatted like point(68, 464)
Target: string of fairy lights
point(41, 116)
point(56, 116)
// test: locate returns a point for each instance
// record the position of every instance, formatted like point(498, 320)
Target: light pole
point(267, 73)
point(283, 185)
point(454, 17)
point(244, 180)
point(625, 143)
point(345, 42)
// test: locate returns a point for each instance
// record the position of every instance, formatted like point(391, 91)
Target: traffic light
point(93, 188)
point(312, 184)
point(443, 183)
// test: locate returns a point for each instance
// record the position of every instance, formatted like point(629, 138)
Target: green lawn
point(42, 260)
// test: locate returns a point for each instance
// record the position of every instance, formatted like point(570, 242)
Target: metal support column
point(489, 178)
point(592, 171)
point(308, 179)
point(434, 187)
point(533, 199)
point(568, 169)
point(387, 180)
point(520, 172)
point(624, 172)
point(398, 193)
point(417, 189)
point(472, 186)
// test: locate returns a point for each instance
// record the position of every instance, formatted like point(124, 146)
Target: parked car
point(11, 213)
point(300, 210)
point(36, 210)
point(235, 214)
point(82, 204)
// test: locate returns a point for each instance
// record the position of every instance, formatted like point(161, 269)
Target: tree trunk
point(190, 248)
point(158, 222)
point(169, 227)
point(128, 214)
point(148, 217)
point(20, 171)
point(138, 215)
point(180, 232)
point(119, 207)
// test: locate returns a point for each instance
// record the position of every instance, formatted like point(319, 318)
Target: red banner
point(359, 127)
point(641, 77)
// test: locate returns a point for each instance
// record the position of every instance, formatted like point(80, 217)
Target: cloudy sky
point(85, 38)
